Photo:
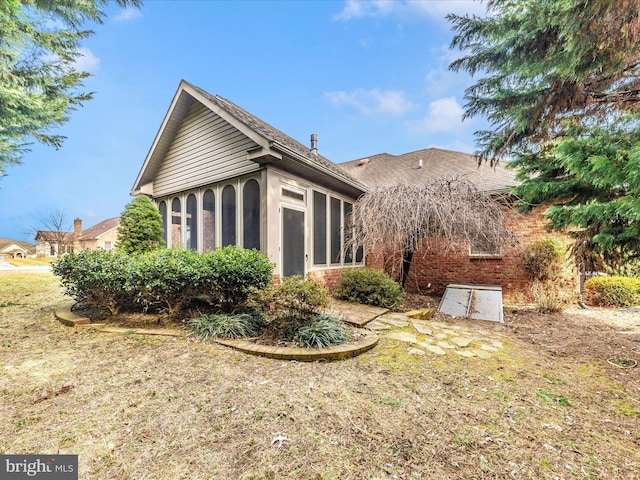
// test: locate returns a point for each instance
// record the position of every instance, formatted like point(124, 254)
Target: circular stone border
point(369, 340)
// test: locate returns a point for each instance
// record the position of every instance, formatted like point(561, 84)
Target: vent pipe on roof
point(420, 163)
point(314, 143)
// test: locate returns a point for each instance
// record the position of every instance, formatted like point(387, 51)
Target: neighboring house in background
point(14, 249)
point(220, 176)
point(51, 244)
point(104, 235)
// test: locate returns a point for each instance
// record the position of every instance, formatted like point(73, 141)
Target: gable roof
point(386, 169)
point(95, 232)
point(274, 145)
point(10, 245)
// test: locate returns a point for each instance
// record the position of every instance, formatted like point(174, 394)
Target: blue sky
point(366, 76)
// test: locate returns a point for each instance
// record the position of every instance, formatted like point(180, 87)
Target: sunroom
point(221, 176)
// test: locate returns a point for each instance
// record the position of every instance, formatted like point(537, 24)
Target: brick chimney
point(77, 235)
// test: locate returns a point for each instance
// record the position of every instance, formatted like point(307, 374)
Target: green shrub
point(170, 277)
point(369, 286)
point(292, 305)
point(613, 291)
point(98, 278)
point(167, 278)
point(140, 227)
point(324, 331)
point(231, 274)
point(543, 259)
point(228, 326)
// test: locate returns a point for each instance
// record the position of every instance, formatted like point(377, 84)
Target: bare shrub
point(543, 259)
point(403, 218)
point(550, 297)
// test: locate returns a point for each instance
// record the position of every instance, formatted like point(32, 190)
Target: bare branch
point(448, 212)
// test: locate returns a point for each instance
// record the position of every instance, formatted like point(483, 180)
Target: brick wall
point(433, 269)
point(329, 277)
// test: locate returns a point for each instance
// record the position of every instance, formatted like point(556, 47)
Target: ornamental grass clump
point(324, 331)
point(543, 259)
point(227, 326)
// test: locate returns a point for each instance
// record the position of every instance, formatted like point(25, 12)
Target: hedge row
point(168, 278)
point(613, 291)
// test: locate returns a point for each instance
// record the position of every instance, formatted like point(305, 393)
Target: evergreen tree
point(39, 85)
point(544, 61)
point(140, 227)
point(561, 90)
point(591, 179)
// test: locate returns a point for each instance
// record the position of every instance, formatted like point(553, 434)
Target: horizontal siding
point(206, 149)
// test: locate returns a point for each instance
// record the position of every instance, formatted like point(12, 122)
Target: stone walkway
point(422, 336)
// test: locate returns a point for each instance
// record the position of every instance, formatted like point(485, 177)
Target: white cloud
point(443, 115)
point(436, 9)
point(366, 8)
point(128, 14)
point(440, 80)
point(86, 61)
point(375, 101)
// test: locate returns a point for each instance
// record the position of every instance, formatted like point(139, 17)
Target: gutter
point(297, 156)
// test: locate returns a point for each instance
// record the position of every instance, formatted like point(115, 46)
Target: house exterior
point(432, 269)
point(220, 176)
point(52, 243)
point(14, 249)
point(103, 235)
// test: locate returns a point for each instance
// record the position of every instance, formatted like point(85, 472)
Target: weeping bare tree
point(403, 218)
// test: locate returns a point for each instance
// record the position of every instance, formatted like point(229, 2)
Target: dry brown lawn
point(553, 404)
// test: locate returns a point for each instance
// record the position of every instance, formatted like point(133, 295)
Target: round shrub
point(613, 291)
point(171, 277)
point(542, 259)
point(369, 286)
point(231, 274)
point(98, 278)
point(290, 306)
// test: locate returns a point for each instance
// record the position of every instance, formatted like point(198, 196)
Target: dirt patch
point(548, 405)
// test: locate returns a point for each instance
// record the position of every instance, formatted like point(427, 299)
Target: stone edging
point(67, 317)
point(305, 354)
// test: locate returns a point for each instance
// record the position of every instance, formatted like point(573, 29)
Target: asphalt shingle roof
point(94, 232)
point(6, 242)
point(386, 169)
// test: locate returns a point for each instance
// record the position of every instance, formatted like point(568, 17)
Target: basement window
point(485, 248)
